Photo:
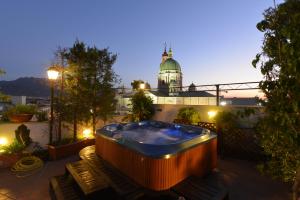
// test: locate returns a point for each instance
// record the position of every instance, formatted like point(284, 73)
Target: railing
point(221, 91)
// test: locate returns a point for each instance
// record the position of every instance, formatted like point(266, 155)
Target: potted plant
point(10, 154)
point(67, 147)
point(21, 113)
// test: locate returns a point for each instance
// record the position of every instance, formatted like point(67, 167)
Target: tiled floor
point(244, 182)
point(34, 187)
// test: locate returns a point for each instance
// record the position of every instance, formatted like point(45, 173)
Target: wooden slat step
point(195, 188)
point(88, 181)
point(121, 184)
point(61, 188)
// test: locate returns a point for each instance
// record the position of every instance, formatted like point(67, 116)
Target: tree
point(142, 106)
point(89, 81)
point(137, 83)
point(279, 62)
point(75, 105)
point(60, 63)
point(100, 79)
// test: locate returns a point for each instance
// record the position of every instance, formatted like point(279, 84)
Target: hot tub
point(155, 154)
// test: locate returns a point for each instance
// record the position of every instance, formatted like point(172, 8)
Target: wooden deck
point(88, 181)
point(94, 178)
point(61, 188)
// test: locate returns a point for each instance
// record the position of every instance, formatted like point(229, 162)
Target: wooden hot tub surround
point(159, 172)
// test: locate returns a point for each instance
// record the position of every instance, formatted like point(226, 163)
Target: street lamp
point(52, 73)
point(142, 86)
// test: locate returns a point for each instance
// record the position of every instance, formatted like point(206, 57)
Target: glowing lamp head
point(3, 141)
point(87, 133)
point(223, 103)
point(142, 86)
point(212, 114)
point(52, 73)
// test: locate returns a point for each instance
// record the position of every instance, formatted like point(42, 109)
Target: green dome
point(170, 64)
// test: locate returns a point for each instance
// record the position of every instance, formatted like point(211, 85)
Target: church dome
point(170, 64)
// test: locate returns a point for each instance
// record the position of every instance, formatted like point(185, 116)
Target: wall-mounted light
point(223, 103)
point(211, 114)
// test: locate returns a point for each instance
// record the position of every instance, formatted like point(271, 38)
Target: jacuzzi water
point(153, 132)
point(155, 138)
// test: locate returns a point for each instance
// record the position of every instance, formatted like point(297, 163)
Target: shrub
point(63, 141)
point(188, 115)
point(14, 147)
point(42, 154)
point(142, 107)
point(21, 109)
point(226, 121)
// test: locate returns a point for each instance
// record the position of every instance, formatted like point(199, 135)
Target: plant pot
point(8, 160)
point(57, 152)
point(19, 118)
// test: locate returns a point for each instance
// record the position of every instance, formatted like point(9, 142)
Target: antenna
point(274, 2)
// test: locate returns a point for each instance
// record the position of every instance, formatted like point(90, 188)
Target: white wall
point(18, 100)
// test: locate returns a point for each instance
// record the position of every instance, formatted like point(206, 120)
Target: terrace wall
point(167, 113)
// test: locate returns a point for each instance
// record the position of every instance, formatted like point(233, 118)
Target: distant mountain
point(26, 86)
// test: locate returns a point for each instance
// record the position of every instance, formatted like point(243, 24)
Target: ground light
point(87, 133)
point(3, 141)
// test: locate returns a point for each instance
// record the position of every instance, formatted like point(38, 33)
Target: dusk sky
point(214, 41)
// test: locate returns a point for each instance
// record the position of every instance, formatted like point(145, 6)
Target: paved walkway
point(243, 180)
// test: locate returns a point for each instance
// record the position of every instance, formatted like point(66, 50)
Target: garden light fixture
point(52, 73)
point(142, 86)
point(223, 103)
point(3, 141)
point(211, 114)
point(87, 133)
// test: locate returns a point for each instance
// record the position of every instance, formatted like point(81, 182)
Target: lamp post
point(52, 73)
point(142, 86)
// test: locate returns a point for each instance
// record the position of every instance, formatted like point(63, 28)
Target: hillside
point(26, 86)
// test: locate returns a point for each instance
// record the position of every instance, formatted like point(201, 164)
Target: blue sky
point(214, 41)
